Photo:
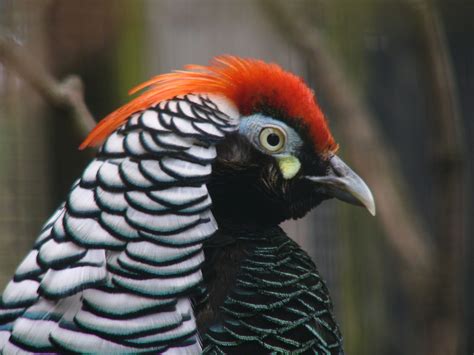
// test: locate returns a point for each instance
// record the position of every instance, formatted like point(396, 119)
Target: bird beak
point(344, 184)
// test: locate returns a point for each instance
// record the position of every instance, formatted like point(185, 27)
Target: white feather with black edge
point(113, 269)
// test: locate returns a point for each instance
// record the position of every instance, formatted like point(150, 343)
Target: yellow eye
point(272, 139)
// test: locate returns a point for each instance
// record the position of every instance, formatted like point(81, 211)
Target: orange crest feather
point(248, 83)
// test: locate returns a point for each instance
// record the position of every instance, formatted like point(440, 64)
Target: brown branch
point(449, 170)
point(359, 131)
point(67, 94)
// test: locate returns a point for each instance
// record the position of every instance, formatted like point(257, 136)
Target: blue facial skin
point(252, 126)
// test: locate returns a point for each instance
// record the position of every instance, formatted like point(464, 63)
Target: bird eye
point(272, 139)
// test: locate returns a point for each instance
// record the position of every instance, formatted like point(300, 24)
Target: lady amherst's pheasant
point(169, 241)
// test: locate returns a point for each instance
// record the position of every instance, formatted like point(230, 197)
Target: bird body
point(169, 242)
point(271, 298)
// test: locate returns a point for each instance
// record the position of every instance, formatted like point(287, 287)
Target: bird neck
point(239, 203)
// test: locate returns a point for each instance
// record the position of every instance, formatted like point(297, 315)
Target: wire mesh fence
point(113, 45)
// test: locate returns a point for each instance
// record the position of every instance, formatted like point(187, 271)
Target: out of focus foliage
point(114, 44)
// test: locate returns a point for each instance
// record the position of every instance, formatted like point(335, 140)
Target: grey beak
point(344, 184)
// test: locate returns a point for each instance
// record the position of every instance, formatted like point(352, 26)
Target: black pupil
point(273, 139)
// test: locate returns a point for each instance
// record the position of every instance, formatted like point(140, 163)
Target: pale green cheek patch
point(289, 166)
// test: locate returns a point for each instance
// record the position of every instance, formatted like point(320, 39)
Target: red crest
point(248, 83)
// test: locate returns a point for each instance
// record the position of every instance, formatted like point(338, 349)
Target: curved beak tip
point(344, 184)
point(356, 191)
point(370, 205)
point(360, 193)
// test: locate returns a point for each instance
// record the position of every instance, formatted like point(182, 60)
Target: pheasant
point(169, 242)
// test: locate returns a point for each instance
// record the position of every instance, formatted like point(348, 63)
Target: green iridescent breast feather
point(277, 304)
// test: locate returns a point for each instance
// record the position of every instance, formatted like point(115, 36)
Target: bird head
point(282, 160)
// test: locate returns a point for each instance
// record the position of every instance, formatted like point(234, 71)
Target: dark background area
point(407, 68)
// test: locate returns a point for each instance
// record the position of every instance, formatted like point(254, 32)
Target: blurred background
point(395, 78)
